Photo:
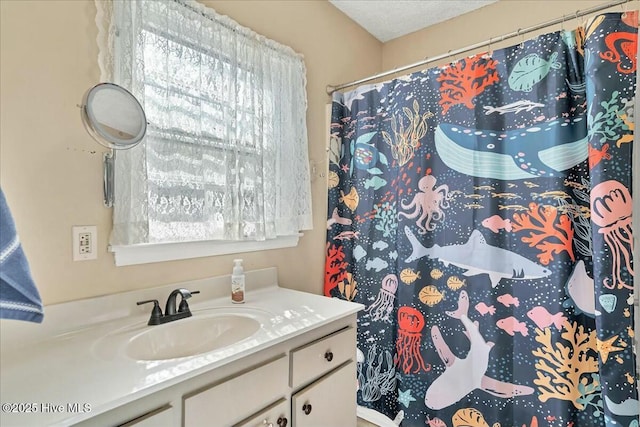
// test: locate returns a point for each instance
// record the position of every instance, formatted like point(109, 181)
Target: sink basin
point(192, 336)
point(205, 331)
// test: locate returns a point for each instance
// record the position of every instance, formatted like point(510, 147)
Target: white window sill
point(148, 253)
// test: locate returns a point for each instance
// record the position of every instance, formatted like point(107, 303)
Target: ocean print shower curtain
point(481, 212)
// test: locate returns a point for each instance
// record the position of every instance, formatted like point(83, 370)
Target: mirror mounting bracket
point(116, 120)
point(108, 179)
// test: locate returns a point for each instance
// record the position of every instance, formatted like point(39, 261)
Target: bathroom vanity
point(284, 358)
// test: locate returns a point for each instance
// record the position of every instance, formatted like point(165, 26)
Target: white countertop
point(64, 361)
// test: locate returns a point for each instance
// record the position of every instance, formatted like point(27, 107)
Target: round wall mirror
point(113, 116)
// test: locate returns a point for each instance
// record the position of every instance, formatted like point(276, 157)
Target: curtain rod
point(518, 33)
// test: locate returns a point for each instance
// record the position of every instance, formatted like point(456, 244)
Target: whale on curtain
point(544, 150)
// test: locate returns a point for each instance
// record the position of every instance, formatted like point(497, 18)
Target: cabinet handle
point(282, 422)
point(306, 408)
point(329, 356)
point(267, 423)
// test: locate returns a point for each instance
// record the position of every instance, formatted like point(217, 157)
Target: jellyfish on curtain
point(382, 307)
point(410, 325)
point(611, 208)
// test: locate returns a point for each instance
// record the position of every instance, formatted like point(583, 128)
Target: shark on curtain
point(463, 376)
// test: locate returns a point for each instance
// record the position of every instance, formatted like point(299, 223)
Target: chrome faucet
point(170, 312)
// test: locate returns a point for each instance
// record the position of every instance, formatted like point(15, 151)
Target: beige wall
point(489, 22)
point(50, 169)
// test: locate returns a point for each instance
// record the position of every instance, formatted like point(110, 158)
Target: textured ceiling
point(388, 19)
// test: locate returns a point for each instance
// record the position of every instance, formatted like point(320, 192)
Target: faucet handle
point(184, 305)
point(156, 311)
point(186, 293)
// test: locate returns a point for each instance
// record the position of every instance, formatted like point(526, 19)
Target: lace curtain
point(225, 156)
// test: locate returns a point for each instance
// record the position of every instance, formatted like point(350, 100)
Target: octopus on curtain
point(611, 209)
point(410, 325)
point(427, 204)
point(622, 51)
point(383, 305)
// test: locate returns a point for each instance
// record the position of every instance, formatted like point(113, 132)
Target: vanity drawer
point(226, 403)
point(321, 356)
point(276, 415)
point(159, 417)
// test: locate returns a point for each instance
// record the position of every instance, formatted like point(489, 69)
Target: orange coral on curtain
point(465, 79)
point(335, 268)
point(541, 220)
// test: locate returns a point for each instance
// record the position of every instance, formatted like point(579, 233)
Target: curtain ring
point(521, 38)
point(562, 23)
point(582, 21)
point(577, 18)
point(624, 9)
point(490, 51)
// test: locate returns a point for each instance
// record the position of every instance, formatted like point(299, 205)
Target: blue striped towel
point(19, 297)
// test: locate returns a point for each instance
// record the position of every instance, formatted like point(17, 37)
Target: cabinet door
point(226, 403)
point(277, 415)
point(330, 401)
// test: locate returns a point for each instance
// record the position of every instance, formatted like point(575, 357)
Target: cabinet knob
point(306, 408)
point(282, 422)
point(329, 356)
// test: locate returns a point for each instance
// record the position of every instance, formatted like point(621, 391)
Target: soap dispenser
point(237, 282)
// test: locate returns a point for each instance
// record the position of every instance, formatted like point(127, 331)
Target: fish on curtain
point(481, 211)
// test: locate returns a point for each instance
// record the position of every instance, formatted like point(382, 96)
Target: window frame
point(160, 252)
point(133, 254)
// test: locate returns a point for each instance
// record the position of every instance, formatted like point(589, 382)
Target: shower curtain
point(481, 211)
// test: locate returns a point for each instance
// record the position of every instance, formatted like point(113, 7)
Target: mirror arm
point(116, 120)
point(108, 177)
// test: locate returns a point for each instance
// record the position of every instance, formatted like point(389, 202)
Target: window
point(225, 157)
